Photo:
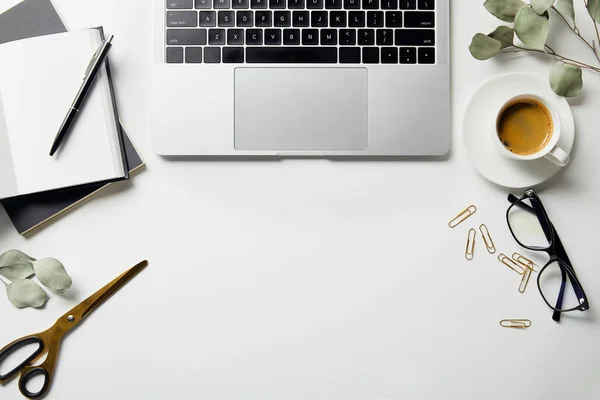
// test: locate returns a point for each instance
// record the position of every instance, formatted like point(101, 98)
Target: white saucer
point(479, 130)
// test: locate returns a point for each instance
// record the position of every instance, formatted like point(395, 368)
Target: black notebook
point(29, 19)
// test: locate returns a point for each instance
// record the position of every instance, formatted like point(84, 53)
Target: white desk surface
point(312, 279)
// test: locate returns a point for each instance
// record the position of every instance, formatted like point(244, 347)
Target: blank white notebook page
point(39, 79)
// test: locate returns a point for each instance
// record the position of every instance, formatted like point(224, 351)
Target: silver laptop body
point(318, 78)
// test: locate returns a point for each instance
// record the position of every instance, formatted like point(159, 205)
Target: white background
point(313, 279)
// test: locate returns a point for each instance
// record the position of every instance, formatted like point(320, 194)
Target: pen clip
point(96, 55)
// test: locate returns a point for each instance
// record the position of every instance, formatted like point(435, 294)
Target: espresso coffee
point(525, 127)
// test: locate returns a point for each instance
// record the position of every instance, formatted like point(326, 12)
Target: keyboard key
point(329, 37)
point(282, 18)
point(333, 4)
point(337, 19)
point(245, 18)
point(375, 19)
point(203, 4)
point(276, 4)
point(415, 37)
point(318, 19)
point(295, 55)
point(254, 37)
point(426, 4)
point(273, 37)
point(356, 19)
point(300, 18)
point(235, 36)
point(263, 19)
point(180, 3)
point(193, 55)
point(261, 4)
point(366, 37)
point(296, 4)
point(389, 55)
point(419, 19)
point(370, 55)
point(370, 4)
point(347, 37)
point(352, 4)
point(389, 4)
point(240, 4)
point(207, 18)
point(350, 55)
point(310, 37)
point(385, 37)
point(233, 55)
point(393, 19)
point(212, 55)
point(408, 4)
point(291, 36)
point(426, 55)
point(220, 4)
point(408, 55)
point(182, 19)
point(174, 55)
point(184, 37)
point(216, 36)
point(314, 4)
point(226, 18)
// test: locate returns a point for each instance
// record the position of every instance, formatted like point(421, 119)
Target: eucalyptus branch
point(552, 54)
point(595, 24)
point(576, 31)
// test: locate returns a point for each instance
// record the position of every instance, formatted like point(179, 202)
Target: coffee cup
point(528, 127)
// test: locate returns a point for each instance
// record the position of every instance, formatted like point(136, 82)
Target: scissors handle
point(16, 345)
point(28, 374)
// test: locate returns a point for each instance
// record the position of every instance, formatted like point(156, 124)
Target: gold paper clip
point(464, 214)
point(504, 259)
point(515, 323)
point(487, 239)
point(525, 280)
point(526, 262)
point(470, 244)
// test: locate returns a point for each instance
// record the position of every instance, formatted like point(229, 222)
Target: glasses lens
point(550, 282)
point(526, 226)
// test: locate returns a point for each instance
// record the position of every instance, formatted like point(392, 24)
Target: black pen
point(90, 75)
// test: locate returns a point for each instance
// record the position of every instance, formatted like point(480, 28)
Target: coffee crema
point(525, 127)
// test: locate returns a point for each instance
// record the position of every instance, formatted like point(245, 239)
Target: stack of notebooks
point(41, 68)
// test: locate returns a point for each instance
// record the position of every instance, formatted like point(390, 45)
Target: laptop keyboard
point(300, 31)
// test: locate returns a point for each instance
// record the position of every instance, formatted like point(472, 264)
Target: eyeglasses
point(530, 226)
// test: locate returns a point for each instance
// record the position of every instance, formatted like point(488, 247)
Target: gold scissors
point(49, 341)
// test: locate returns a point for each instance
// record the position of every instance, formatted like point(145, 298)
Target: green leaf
point(565, 7)
point(26, 293)
point(52, 274)
point(504, 9)
point(541, 6)
point(566, 79)
point(13, 255)
point(532, 28)
point(594, 9)
point(504, 35)
point(17, 270)
point(483, 47)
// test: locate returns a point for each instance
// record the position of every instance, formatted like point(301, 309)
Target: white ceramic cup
point(551, 151)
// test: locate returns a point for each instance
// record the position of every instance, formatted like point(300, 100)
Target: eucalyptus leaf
point(566, 79)
point(12, 256)
point(484, 47)
point(26, 293)
point(505, 35)
point(17, 270)
point(594, 9)
point(541, 6)
point(565, 7)
point(504, 10)
point(532, 28)
point(52, 274)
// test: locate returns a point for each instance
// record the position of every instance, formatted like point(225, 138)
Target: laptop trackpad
point(301, 109)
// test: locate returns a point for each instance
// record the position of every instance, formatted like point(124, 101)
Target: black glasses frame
point(555, 251)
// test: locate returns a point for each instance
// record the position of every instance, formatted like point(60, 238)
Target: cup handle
point(558, 156)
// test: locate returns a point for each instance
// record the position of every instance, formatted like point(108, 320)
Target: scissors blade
point(94, 301)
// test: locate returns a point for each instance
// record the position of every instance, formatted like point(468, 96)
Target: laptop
point(321, 78)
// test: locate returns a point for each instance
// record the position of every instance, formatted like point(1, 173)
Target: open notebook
point(39, 78)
